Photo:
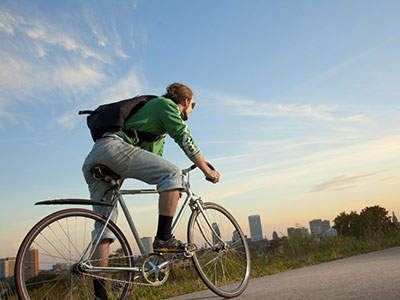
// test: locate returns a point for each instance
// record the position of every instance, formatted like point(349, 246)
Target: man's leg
point(102, 251)
point(164, 241)
point(132, 162)
point(166, 206)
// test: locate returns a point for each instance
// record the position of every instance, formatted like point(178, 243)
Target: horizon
point(297, 103)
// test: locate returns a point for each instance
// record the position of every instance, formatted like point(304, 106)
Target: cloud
point(53, 36)
point(349, 181)
point(22, 77)
point(252, 173)
point(6, 117)
point(7, 22)
point(32, 29)
point(29, 65)
point(79, 75)
point(39, 57)
point(124, 88)
point(248, 107)
point(107, 36)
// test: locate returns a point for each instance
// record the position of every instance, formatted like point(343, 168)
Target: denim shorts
point(130, 162)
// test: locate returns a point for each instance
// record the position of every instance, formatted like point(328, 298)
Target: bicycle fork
point(198, 204)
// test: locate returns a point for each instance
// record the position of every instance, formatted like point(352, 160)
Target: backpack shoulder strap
point(86, 112)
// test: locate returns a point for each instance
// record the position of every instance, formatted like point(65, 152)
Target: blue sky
point(297, 101)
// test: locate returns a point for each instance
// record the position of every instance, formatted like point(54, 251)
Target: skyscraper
point(395, 220)
point(31, 264)
point(217, 231)
point(7, 267)
point(318, 227)
point(235, 237)
point(255, 228)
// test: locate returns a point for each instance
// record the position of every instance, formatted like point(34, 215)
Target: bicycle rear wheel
point(47, 265)
point(223, 261)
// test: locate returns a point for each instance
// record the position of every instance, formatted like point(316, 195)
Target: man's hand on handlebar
point(213, 176)
point(209, 171)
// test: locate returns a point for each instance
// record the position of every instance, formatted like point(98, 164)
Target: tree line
point(369, 222)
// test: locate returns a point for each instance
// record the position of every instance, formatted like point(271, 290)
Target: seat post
point(102, 172)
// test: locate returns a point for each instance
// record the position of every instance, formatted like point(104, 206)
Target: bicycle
point(62, 245)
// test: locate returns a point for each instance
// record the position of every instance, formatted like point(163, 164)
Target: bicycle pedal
point(188, 254)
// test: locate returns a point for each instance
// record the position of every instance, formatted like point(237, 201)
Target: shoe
point(100, 292)
point(172, 245)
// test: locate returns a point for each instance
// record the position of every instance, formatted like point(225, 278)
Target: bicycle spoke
point(59, 243)
point(53, 246)
point(41, 282)
point(68, 237)
point(49, 290)
point(48, 254)
point(223, 257)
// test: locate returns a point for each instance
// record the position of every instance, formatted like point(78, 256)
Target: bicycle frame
point(191, 200)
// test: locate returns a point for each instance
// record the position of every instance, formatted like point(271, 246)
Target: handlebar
point(192, 167)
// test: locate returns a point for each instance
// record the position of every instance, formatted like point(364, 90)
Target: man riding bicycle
point(119, 152)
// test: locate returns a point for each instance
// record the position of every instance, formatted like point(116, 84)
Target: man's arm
point(211, 175)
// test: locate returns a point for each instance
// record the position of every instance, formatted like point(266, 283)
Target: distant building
point(292, 231)
point(318, 227)
point(255, 228)
point(59, 267)
point(235, 236)
point(215, 239)
point(275, 236)
point(31, 264)
point(395, 220)
point(7, 267)
point(148, 244)
point(331, 232)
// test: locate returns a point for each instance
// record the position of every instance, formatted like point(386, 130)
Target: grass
point(281, 255)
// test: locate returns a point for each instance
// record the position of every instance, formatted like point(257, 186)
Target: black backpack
point(111, 118)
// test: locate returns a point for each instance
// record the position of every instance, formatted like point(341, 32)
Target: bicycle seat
point(103, 172)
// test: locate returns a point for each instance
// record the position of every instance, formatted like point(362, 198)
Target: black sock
point(164, 227)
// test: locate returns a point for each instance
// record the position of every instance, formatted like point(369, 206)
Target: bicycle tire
point(229, 265)
point(53, 245)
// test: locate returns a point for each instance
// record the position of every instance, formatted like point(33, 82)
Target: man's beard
point(185, 116)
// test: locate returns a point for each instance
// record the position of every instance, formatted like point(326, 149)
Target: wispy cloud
point(249, 107)
point(25, 69)
point(49, 34)
point(8, 22)
point(349, 181)
point(124, 88)
point(39, 56)
point(21, 77)
point(306, 169)
point(107, 35)
point(7, 117)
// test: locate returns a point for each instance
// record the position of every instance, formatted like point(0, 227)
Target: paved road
point(364, 277)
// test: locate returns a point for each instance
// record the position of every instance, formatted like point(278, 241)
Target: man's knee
point(171, 179)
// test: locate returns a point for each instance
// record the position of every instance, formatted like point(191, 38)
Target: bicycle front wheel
point(222, 258)
point(48, 264)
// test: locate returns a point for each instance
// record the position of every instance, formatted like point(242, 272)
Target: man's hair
point(178, 92)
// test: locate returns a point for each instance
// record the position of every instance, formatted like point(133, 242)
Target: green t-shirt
point(161, 116)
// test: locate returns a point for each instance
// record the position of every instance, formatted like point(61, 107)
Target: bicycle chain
point(113, 279)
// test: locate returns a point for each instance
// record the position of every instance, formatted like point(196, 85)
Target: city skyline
point(317, 227)
point(296, 103)
point(255, 228)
